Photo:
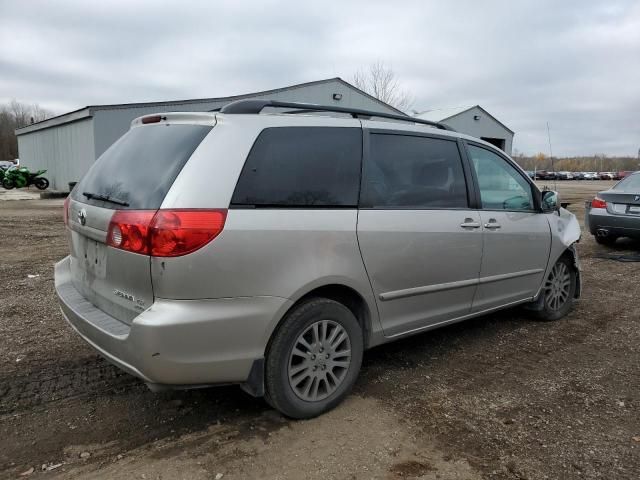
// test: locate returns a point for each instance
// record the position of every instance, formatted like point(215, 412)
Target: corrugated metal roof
point(443, 114)
point(439, 114)
point(88, 111)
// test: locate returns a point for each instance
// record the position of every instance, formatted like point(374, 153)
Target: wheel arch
point(571, 253)
point(347, 295)
point(340, 292)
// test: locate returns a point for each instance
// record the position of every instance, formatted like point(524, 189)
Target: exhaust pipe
point(602, 232)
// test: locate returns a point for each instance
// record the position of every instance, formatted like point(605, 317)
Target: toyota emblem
point(82, 216)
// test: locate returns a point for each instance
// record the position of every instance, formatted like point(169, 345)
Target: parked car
point(531, 174)
point(591, 176)
point(272, 250)
point(564, 175)
point(606, 175)
point(619, 175)
point(615, 213)
point(546, 175)
point(578, 175)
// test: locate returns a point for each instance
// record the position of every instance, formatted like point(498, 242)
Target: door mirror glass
point(550, 201)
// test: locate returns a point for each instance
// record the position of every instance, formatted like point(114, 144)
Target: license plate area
point(94, 257)
point(634, 209)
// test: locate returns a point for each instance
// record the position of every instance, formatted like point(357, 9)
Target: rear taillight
point(164, 233)
point(598, 203)
point(129, 230)
point(65, 210)
point(178, 232)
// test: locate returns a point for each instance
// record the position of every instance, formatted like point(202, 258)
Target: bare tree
point(16, 115)
point(380, 81)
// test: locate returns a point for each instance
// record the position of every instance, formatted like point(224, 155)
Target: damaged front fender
point(565, 233)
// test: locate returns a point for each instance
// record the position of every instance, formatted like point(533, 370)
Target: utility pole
point(553, 168)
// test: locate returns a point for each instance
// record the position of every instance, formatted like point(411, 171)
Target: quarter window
point(502, 187)
point(405, 171)
point(302, 167)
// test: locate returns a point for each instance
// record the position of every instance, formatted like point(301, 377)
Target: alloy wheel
point(319, 360)
point(558, 286)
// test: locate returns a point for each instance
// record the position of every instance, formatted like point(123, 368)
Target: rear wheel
point(7, 183)
point(608, 240)
point(314, 359)
point(559, 291)
point(41, 183)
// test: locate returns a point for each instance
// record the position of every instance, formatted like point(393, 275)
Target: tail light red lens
point(598, 203)
point(65, 210)
point(164, 233)
point(129, 230)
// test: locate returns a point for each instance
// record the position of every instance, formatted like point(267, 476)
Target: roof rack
point(255, 106)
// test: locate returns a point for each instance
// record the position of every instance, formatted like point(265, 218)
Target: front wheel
point(559, 291)
point(7, 183)
point(41, 183)
point(314, 358)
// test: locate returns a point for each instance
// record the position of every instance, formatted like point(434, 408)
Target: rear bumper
point(177, 342)
point(618, 225)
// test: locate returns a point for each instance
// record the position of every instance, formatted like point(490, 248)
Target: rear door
point(517, 236)
point(420, 240)
point(135, 173)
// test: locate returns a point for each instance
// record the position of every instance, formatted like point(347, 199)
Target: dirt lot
point(498, 397)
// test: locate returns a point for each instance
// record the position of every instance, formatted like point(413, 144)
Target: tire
point(41, 183)
point(7, 183)
point(608, 240)
point(559, 291)
point(332, 319)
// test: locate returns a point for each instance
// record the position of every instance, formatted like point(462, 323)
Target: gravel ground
point(501, 396)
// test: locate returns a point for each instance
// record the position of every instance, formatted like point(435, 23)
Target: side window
point(502, 187)
point(302, 167)
point(405, 171)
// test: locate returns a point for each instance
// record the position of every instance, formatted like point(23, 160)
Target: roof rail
point(255, 106)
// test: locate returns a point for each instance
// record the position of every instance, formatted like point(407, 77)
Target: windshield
point(137, 171)
point(629, 184)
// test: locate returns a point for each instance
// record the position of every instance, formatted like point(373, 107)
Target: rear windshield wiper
point(104, 198)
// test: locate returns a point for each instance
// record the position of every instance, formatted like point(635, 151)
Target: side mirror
point(550, 201)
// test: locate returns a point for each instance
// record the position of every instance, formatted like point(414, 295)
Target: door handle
point(470, 223)
point(492, 224)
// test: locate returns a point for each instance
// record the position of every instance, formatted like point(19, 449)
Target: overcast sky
point(575, 64)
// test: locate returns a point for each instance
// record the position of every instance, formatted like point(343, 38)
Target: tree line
point(16, 115)
point(590, 163)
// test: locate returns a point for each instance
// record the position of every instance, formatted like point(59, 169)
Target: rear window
point(302, 167)
point(629, 184)
point(141, 166)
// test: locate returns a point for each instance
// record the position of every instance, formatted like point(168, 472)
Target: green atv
point(19, 177)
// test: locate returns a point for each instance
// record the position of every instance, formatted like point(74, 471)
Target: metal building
point(67, 145)
point(475, 121)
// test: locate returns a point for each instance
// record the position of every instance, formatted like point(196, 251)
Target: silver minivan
point(269, 244)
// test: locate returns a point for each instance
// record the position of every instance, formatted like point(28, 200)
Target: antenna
point(553, 167)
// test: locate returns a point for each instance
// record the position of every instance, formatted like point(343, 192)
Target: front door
point(517, 237)
point(420, 241)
